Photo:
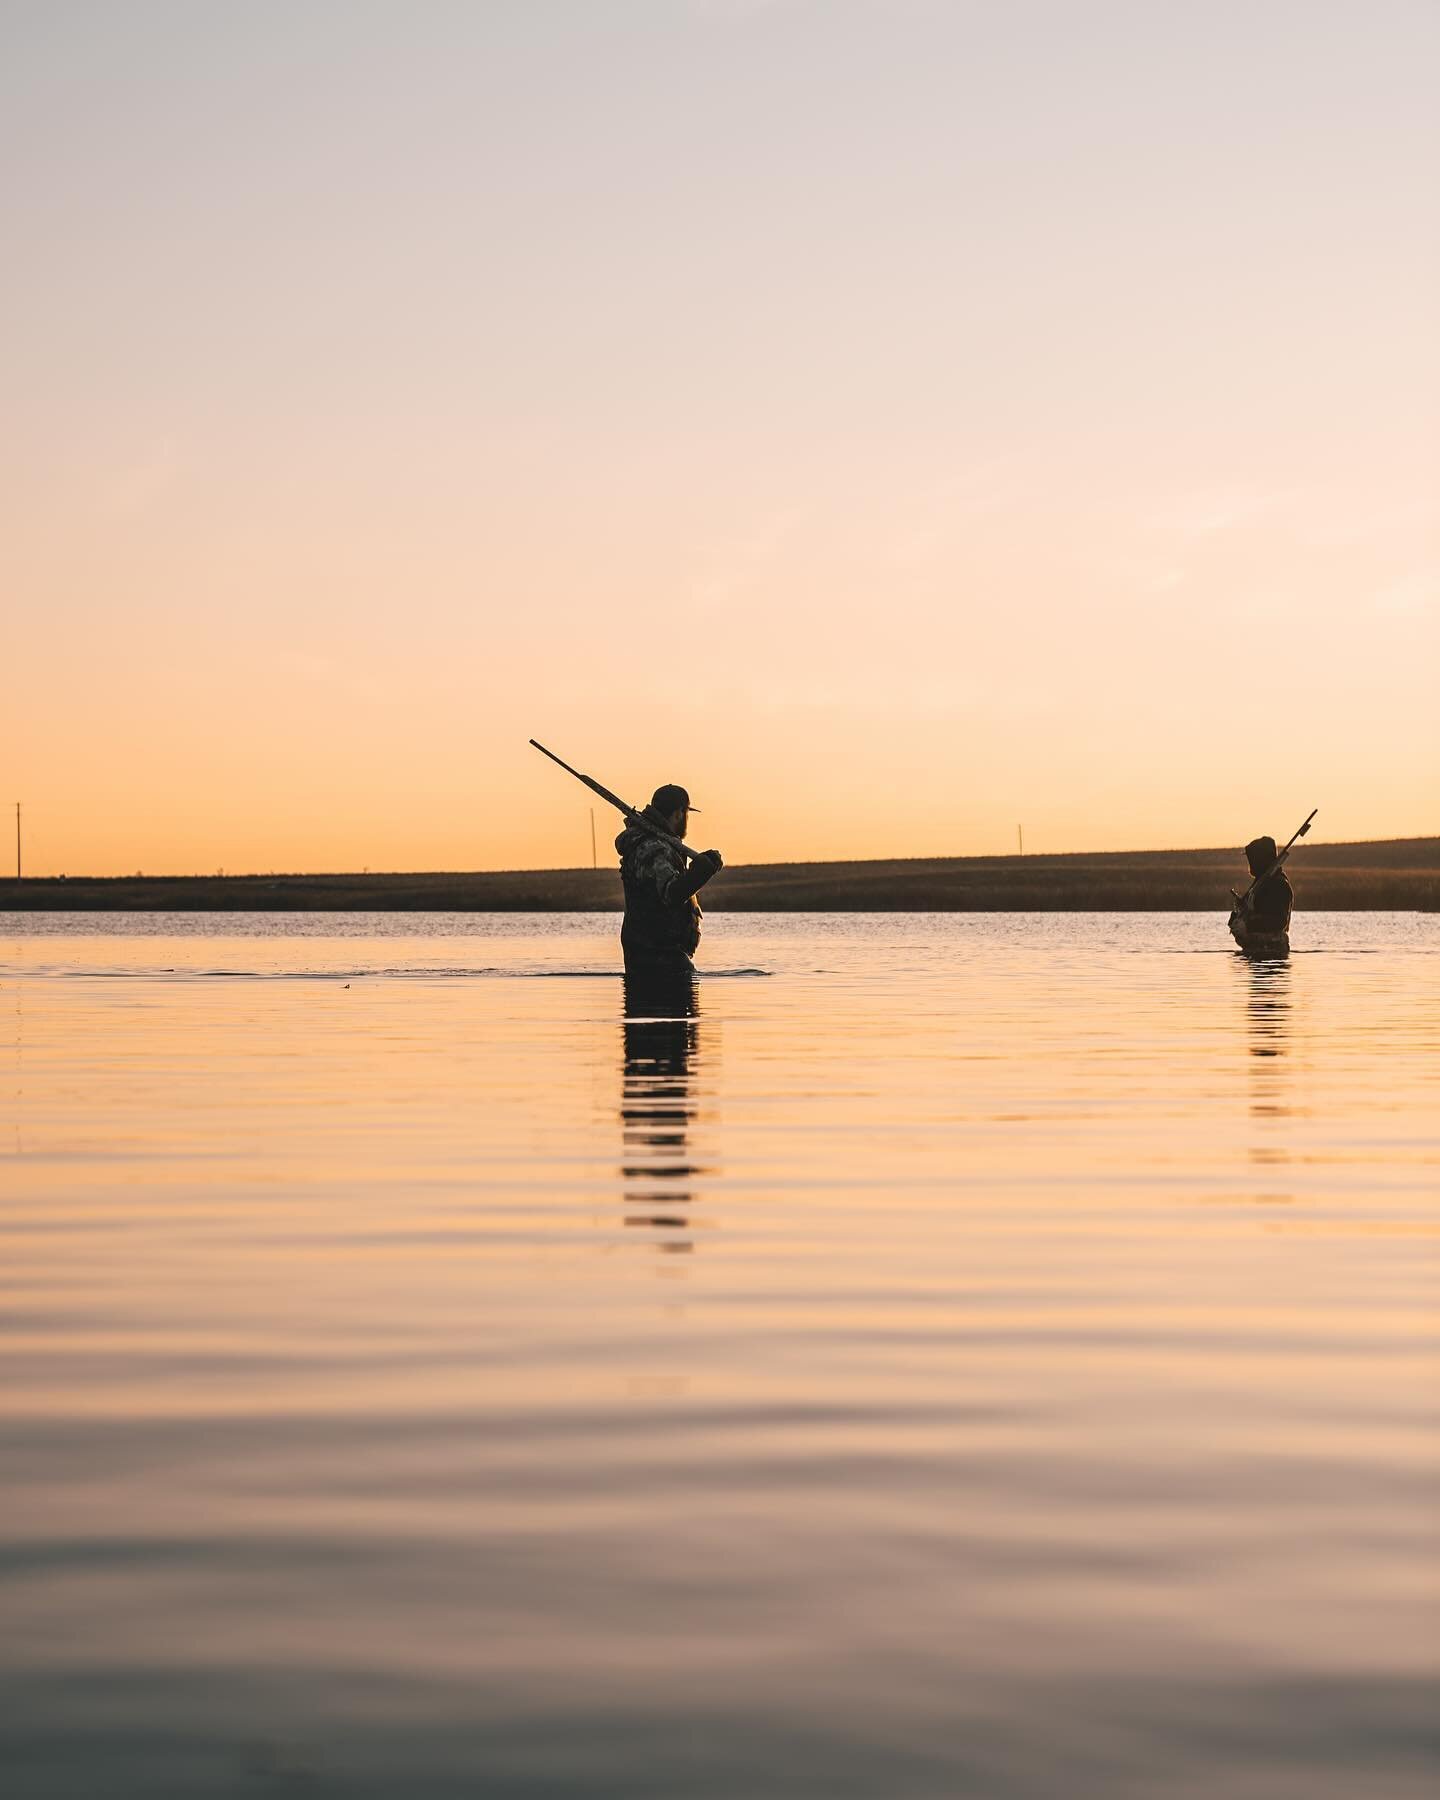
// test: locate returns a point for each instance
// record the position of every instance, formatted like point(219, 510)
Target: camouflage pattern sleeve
point(657, 862)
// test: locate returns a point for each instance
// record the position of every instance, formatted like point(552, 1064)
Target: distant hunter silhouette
point(1260, 920)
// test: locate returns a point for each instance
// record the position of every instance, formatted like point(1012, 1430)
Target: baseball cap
point(670, 797)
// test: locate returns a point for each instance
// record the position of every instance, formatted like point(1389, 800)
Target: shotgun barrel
point(633, 815)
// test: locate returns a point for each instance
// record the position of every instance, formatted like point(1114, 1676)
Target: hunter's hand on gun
point(703, 866)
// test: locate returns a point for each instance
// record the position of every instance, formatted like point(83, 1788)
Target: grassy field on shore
point(1399, 874)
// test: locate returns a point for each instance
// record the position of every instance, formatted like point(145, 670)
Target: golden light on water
point(973, 1319)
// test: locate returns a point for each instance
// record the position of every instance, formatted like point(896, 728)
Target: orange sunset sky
point(895, 421)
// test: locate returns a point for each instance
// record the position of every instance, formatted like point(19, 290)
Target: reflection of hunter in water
point(1268, 1030)
point(661, 1037)
point(1267, 1012)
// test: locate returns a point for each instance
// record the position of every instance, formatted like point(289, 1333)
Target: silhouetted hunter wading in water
point(1260, 921)
point(662, 906)
point(661, 876)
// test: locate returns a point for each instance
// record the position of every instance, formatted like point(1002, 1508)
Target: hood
point(631, 836)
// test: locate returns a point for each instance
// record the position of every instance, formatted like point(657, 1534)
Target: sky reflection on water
point(988, 1356)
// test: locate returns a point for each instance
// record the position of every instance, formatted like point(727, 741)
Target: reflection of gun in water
point(1241, 912)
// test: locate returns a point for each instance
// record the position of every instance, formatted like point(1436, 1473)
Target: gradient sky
point(896, 421)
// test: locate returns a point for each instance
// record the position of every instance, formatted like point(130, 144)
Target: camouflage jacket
point(661, 915)
point(1272, 902)
point(1267, 913)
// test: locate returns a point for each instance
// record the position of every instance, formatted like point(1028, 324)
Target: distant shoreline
point(1392, 875)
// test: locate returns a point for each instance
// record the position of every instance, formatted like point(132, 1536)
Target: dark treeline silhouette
point(1398, 874)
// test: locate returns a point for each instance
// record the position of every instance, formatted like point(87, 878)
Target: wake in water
point(377, 974)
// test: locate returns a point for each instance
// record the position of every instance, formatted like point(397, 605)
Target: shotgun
point(632, 814)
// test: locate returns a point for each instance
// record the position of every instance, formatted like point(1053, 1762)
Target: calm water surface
point(980, 1356)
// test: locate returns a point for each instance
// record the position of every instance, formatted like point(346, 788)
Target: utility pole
point(1020, 834)
point(17, 840)
point(594, 854)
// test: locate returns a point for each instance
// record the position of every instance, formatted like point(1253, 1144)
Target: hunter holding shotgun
point(662, 911)
point(662, 906)
point(1260, 921)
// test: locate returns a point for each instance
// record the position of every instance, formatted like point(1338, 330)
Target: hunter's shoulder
point(654, 853)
